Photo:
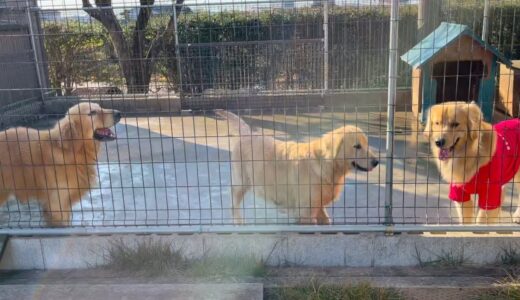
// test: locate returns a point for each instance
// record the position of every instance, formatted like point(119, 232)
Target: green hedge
point(358, 48)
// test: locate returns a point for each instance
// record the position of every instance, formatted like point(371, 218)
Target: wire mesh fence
point(305, 83)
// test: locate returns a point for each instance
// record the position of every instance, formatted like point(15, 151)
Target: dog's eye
point(357, 146)
point(92, 113)
point(454, 124)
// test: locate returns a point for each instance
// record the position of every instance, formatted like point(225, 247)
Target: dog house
point(453, 64)
point(509, 88)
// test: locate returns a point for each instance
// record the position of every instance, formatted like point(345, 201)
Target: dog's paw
point(308, 221)
point(58, 223)
point(238, 221)
point(57, 219)
point(324, 221)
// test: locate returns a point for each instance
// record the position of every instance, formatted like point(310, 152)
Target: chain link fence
point(298, 73)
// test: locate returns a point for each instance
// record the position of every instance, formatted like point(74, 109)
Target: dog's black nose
point(375, 162)
point(440, 142)
point(117, 116)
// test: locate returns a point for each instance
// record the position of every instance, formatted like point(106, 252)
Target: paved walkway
point(412, 283)
point(81, 291)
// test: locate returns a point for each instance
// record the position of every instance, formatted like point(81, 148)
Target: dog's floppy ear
point(327, 150)
point(331, 144)
point(65, 132)
point(475, 119)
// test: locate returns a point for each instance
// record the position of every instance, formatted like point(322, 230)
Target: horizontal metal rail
point(258, 229)
point(196, 4)
point(260, 42)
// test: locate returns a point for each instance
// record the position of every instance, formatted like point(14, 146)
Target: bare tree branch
point(105, 16)
point(108, 19)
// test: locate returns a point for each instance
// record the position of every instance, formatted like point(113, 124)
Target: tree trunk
point(136, 61)
point(68, 87)
point(138, 79)
point(141, 66)
point(134, 67)
point(57, 88)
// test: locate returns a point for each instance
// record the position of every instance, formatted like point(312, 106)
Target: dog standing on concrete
point(302, 177)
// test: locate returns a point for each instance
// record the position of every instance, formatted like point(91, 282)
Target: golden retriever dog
point(301, 177)
point(57, 166)
point(475, 157)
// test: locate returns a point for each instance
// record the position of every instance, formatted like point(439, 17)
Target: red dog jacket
point(502, 167)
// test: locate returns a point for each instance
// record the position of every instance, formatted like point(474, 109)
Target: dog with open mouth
point(475, 157)
point(302, 177)
point(57, 166)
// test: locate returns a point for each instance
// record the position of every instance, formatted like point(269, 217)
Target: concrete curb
point(324, 250)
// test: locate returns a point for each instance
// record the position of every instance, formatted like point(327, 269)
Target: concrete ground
point(176, 170)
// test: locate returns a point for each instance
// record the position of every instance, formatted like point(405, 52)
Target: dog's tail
point(234, 121)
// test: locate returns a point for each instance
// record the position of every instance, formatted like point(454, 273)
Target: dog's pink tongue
point(444, 154)
point(106, 132)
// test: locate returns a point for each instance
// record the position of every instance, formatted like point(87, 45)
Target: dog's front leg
point(490, 216)
point(465, 212)
point(309, 216)
point(516, 215)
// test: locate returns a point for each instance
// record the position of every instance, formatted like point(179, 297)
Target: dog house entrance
point(458, 80)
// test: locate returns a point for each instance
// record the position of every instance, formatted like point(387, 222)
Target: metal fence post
point(392, 82)
point(177, 50)
point(485, 22)
point(325, 46)
point(39, 74)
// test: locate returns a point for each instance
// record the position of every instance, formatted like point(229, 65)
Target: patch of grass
point(444, 259)
point(509, 256)
point(317, 291)
point(449, 259)
point(509, 289)
point(156, 258)
point(227, 265)
point(147, 258)
point(501, 294)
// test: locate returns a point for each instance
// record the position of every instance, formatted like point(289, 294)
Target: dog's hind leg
point(238, 196)
point(491, 216)
point(516, 214)
point(4, 196)
point(57, 210)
